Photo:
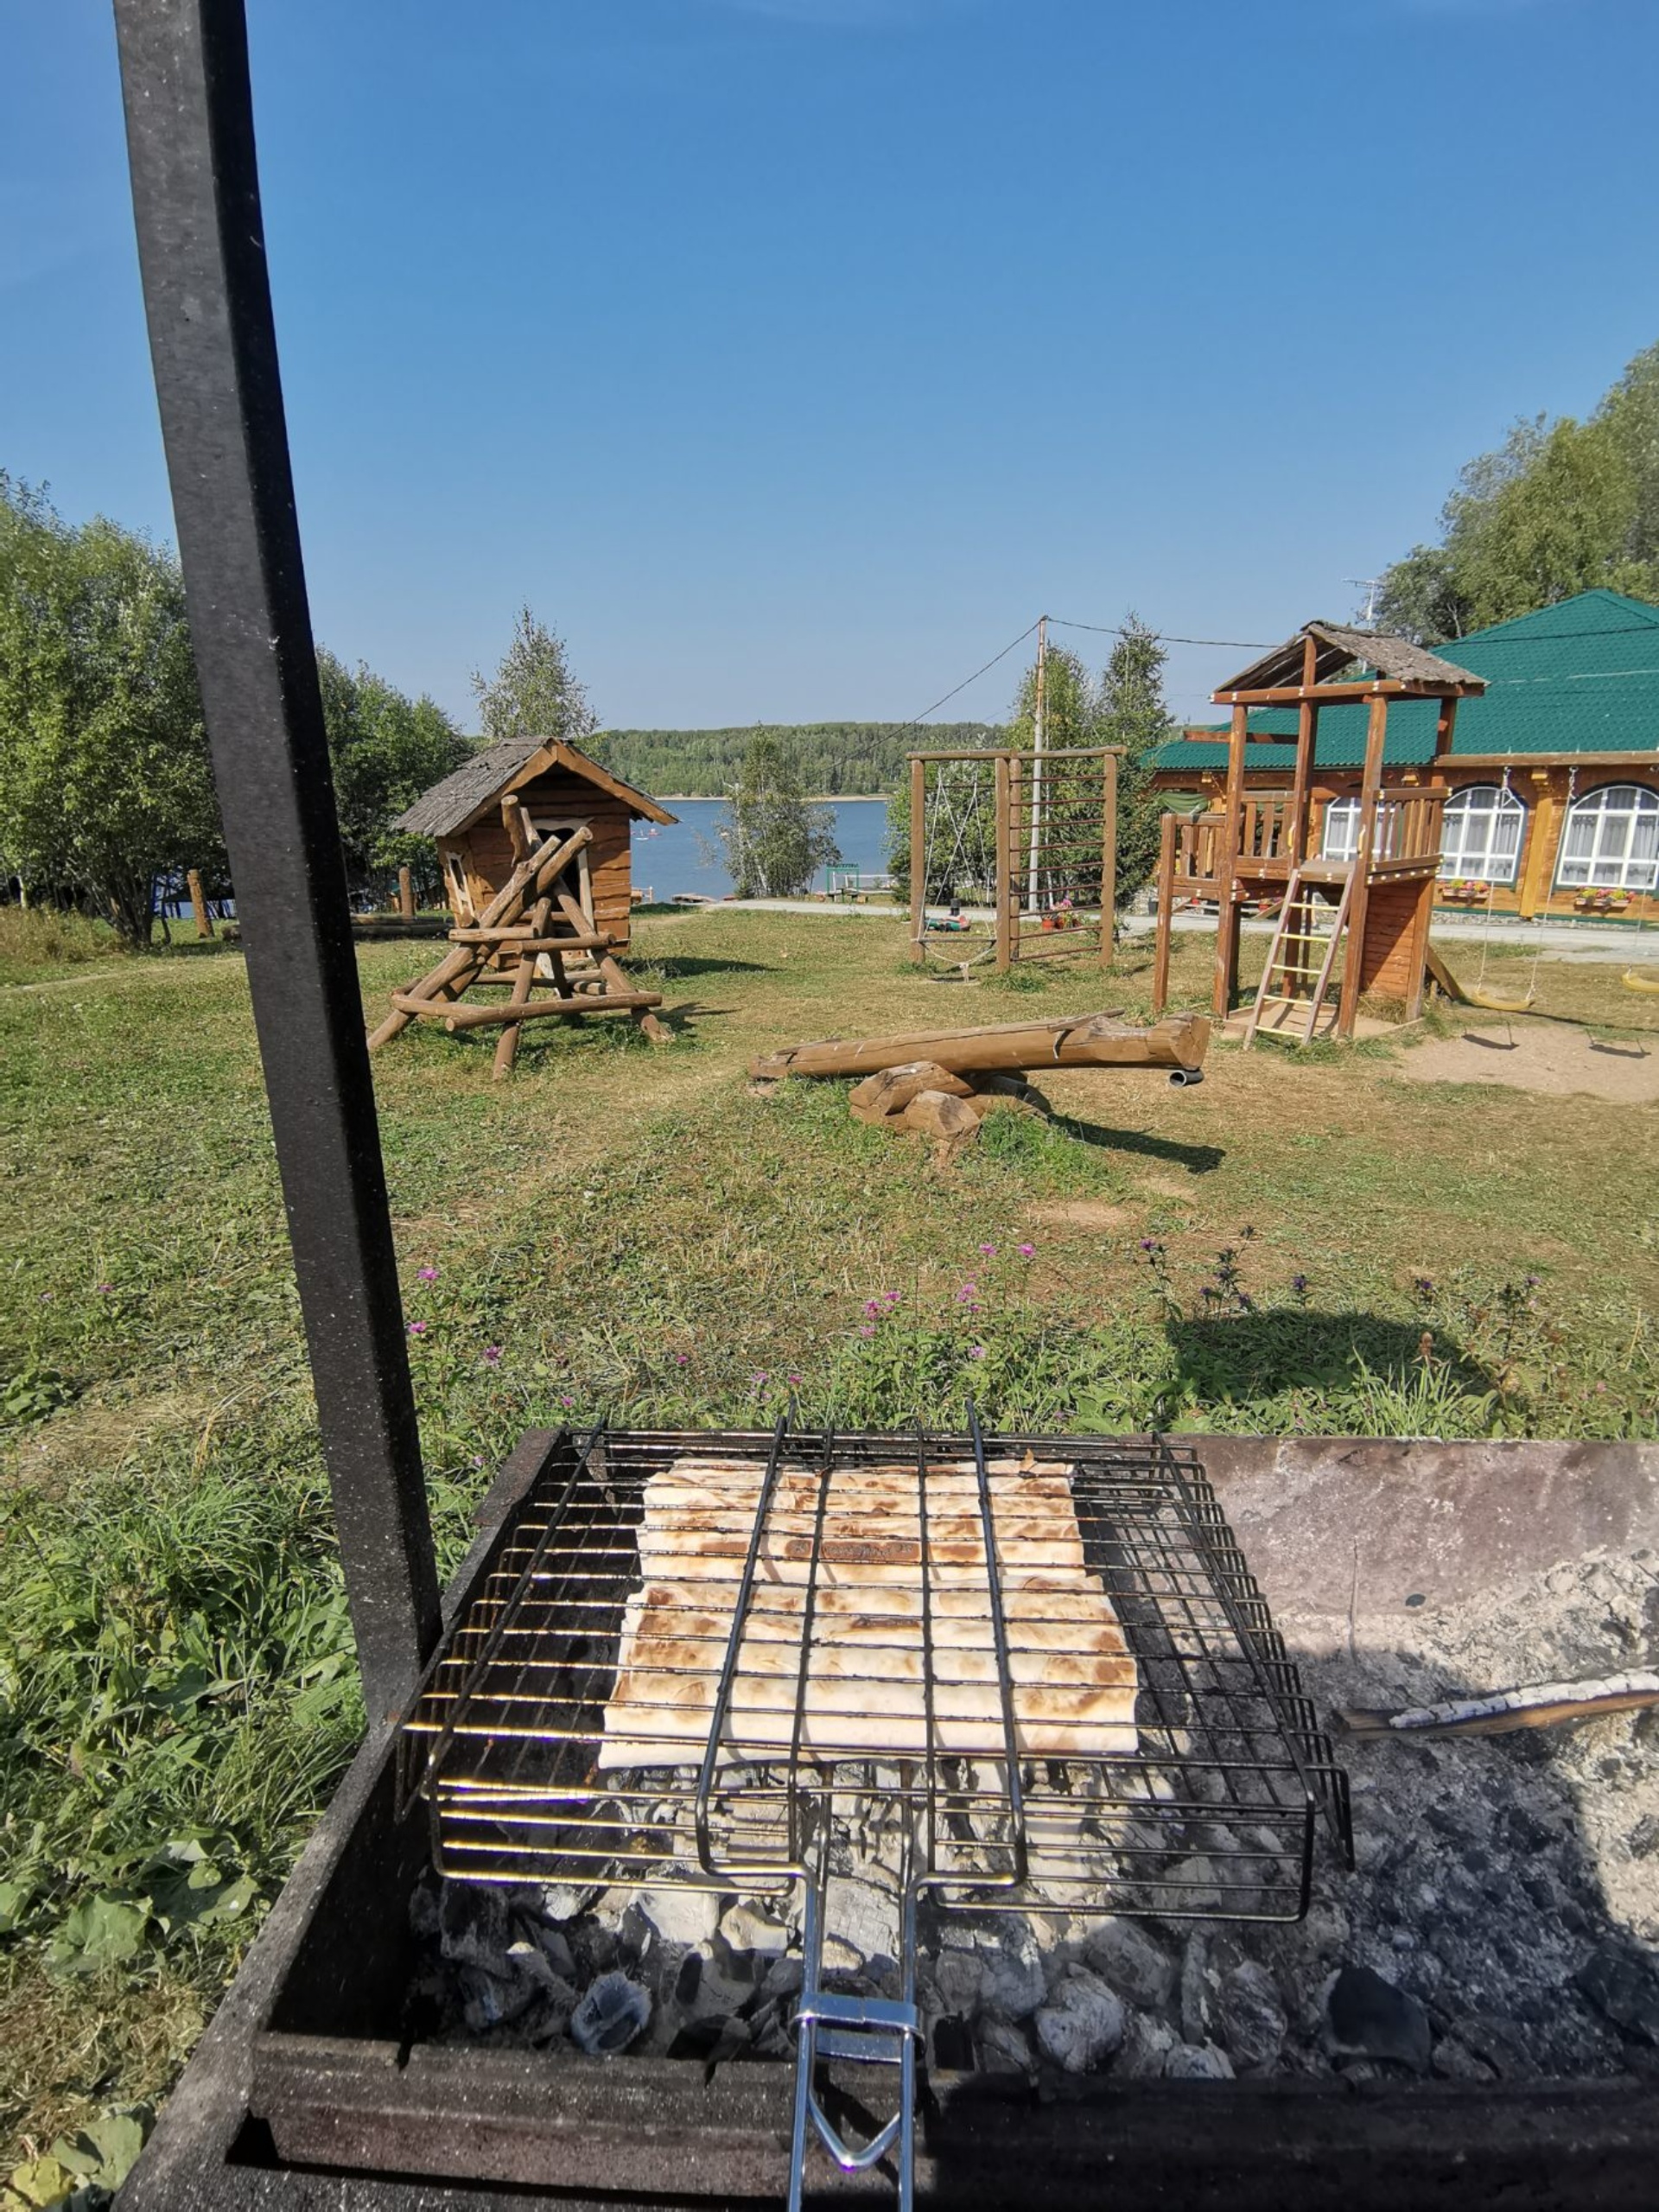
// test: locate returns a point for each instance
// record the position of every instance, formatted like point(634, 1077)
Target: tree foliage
point(106, 782)
point(1132, 713)
point(384, 749)
point(774, 839)
point(1558, 508)
point(833, 760)
point(532, 692)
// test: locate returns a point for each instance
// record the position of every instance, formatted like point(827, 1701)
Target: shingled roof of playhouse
point(454, 804)
point(1579, 676)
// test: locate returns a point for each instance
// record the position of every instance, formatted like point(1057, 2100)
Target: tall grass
point(36, 939)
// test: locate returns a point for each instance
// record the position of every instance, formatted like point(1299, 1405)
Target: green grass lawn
point(1305, 1243)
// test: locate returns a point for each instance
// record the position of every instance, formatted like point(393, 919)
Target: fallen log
point(1180, 1041)
point(482, 1017)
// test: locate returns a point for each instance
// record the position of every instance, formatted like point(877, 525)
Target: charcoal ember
point(1082, 2025)
point(706, 1990)
point(473, 1926)
point(1496, 2043)
point(744, 1937)
point(681, 1915)
point(861, 1921)
point(1148, 2042)
point(1252, 2018)
point(614, 2013)
point(1368, 2018)
point(424, 1913)
point(784, 1978)
point(1002, 2047)
point(555, 1950)
point(1014, 1984)
point(1452, 2060)
point(1623, 1989)
point(1197, 2062)
point(953, 2044)
point(596, 1949)
point(959, 1978)
point(490, 2001)
point(562, 1902)
point(1135, 1963)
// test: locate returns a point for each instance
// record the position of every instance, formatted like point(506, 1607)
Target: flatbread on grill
point(888, 1567)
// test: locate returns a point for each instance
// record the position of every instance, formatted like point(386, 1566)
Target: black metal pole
point(196, 188)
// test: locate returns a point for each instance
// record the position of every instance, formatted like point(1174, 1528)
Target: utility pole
point(1037, 742)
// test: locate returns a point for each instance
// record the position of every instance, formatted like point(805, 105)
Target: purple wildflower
point(793, 1379)
point(106, 1286)
point(492, 1355)
point(892, 1296)
point(417, 1328)
point(989, 1250)
point(682, 1358)
point(427, 1274)
point(1027, 1251)
point(976, 1351)
point(867, 1332)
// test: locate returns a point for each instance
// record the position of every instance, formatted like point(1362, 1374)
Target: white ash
point(1497, 1925)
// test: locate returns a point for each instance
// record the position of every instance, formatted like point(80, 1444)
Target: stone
point(953, 2044)
point(612, 2013)
point(1454, 2062)
point(936, 1113)
point(681, 1915)
point(1015, 1985)
point(1369, 2017)
point(1083, 2024)
point(557, 1953)
point(1134, 1962)
point(1252, 2016)
point(473, 1926)
point(1197, 2062)
point(1622, 1988)
point(883, 1096)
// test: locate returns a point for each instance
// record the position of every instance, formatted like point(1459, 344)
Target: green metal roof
point(1580, 676)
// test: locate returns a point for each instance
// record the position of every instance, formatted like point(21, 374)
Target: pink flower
point(427, 1274)
point(892, 1296)
point(106, 1285)
point(682, 1358)
point(1027, 1251)
point(867, 1332)
point(567, 1401)
point(975, 1351)
point(872, 1307)
point(989, 1250)
point(759, 1381)
point(791, 1378)
point(417, 1328)
point(492, 1355)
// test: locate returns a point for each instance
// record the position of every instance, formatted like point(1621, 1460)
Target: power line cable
point(1164, 636)
point(915, 721)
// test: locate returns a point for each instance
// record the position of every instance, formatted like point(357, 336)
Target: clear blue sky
point(791, 355)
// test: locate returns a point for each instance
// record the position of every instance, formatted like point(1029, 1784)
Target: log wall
point(486, 852)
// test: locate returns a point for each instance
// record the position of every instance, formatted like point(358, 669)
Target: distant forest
point(831, 758)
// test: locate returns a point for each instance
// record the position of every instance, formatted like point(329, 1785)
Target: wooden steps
point(1291, 964)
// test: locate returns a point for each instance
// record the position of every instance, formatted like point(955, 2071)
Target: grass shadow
point(1199, 1159)
point(1407, 1378)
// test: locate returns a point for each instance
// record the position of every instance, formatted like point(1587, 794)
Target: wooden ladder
point(1283, 973)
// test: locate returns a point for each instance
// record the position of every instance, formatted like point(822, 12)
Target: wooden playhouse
point(1346, 927)
point(534, 844)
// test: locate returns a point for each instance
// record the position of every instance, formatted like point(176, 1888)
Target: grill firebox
point(1206, 1808)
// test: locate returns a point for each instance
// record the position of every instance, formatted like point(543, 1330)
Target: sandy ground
point(1557, 1062)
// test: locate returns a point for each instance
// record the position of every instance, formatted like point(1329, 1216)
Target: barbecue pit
point(1040, 1663)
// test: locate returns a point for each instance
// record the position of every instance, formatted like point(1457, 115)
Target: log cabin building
point(1553, 770)
point(559, 789)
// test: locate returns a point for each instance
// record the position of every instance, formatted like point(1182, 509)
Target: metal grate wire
point(1212, 1814)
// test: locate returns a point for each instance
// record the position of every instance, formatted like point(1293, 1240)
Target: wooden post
point(1370, 784)
point(1228, 917)
point(917, 857)
point(406, 894)
point(1445, 723)
point(1108, 863)
point(1535, 867)
point(1002, 838)
point(199, 904)
point(1038, 734)
point(1008, 880)
point(1167, 833)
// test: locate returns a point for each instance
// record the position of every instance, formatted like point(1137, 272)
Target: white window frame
point(558, 826)
point(1342, 815)
point(1620, 818)
point(1470, 861)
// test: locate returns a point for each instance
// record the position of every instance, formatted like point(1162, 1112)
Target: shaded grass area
point(1305, 1243)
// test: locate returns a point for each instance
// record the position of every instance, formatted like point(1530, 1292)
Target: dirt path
point(1553, 1061)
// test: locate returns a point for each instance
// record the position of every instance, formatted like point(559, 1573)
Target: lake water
point(687, 857)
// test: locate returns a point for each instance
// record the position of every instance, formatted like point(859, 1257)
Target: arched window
point(1611, 839)
point(1481, 833)
point(1339, 836)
